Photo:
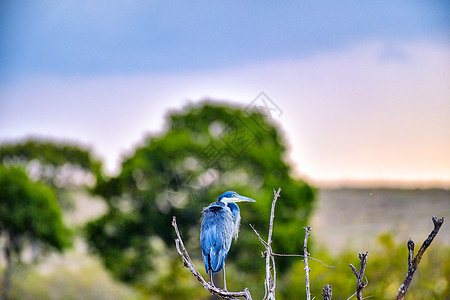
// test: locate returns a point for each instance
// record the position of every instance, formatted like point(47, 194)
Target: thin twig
point(272, 215)
point(359, 275)
point(307, 269)
point(414, 263)
point(264, 255)
point(327, 292)
point(270, 281)
point(410, 246)
point(187, 262)
point(260, 238)
point(300, 255)
point(351, 296)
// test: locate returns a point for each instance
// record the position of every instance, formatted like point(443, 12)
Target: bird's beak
point(243, 199)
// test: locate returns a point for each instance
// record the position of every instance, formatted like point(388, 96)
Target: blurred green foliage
point(29, 211)
point(60, 165)
point(29, 214)
point(51, 155)
point(386, 269)
point(83, 279)
point(206, 150)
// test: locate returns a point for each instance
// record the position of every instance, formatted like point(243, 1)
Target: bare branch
point(354, 270)
point(257, 234)
point(410, 246)
point(359, 275)
point(264, 255)
point(414, 263)
point(300, 255)
point(272, 215)
point(270, 281)
point(326, 292)
point(274, 284)
point(270, 277)
point(307, 269)
point(187, 262)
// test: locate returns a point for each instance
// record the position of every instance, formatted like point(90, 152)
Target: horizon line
point(379, 183)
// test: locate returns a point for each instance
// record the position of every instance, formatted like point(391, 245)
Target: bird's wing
point(215, 237)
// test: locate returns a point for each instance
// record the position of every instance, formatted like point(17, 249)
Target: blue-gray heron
point(220, 223)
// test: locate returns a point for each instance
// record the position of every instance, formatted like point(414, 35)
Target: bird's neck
point(233, 207)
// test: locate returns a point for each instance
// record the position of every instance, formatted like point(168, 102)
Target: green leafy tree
point(57, 163)
point(206, 150)
point(60, 165)
point(28, 212)
point(68, 169)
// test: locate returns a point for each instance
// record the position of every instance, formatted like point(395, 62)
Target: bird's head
point(234, 197)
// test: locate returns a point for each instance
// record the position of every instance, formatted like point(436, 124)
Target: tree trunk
point(8, 270)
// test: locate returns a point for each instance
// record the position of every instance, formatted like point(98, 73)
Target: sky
point(363, 87)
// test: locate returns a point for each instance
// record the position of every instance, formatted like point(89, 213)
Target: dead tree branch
point(269, 255)
point(307, 269)
point(257, 234)
point(326, 292)
point(300, 255)
point(414, 263)
point(187, 262)
point(359, 275)
point(270, 282)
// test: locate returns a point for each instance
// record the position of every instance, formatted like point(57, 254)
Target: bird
point(220, 224)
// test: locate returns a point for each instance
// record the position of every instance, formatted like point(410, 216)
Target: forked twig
point(287, 255)
point(269, 255)
point(187, 262)
point(359, 275)
point(270, 281)
point(413, 263)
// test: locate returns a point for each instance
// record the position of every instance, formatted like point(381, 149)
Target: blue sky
point(364, 85)
point(95, 37)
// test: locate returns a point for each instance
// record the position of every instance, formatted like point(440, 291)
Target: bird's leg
point(211, 277)
point(224, 278)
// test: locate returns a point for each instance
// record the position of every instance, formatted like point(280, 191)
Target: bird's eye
point(234, 195)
